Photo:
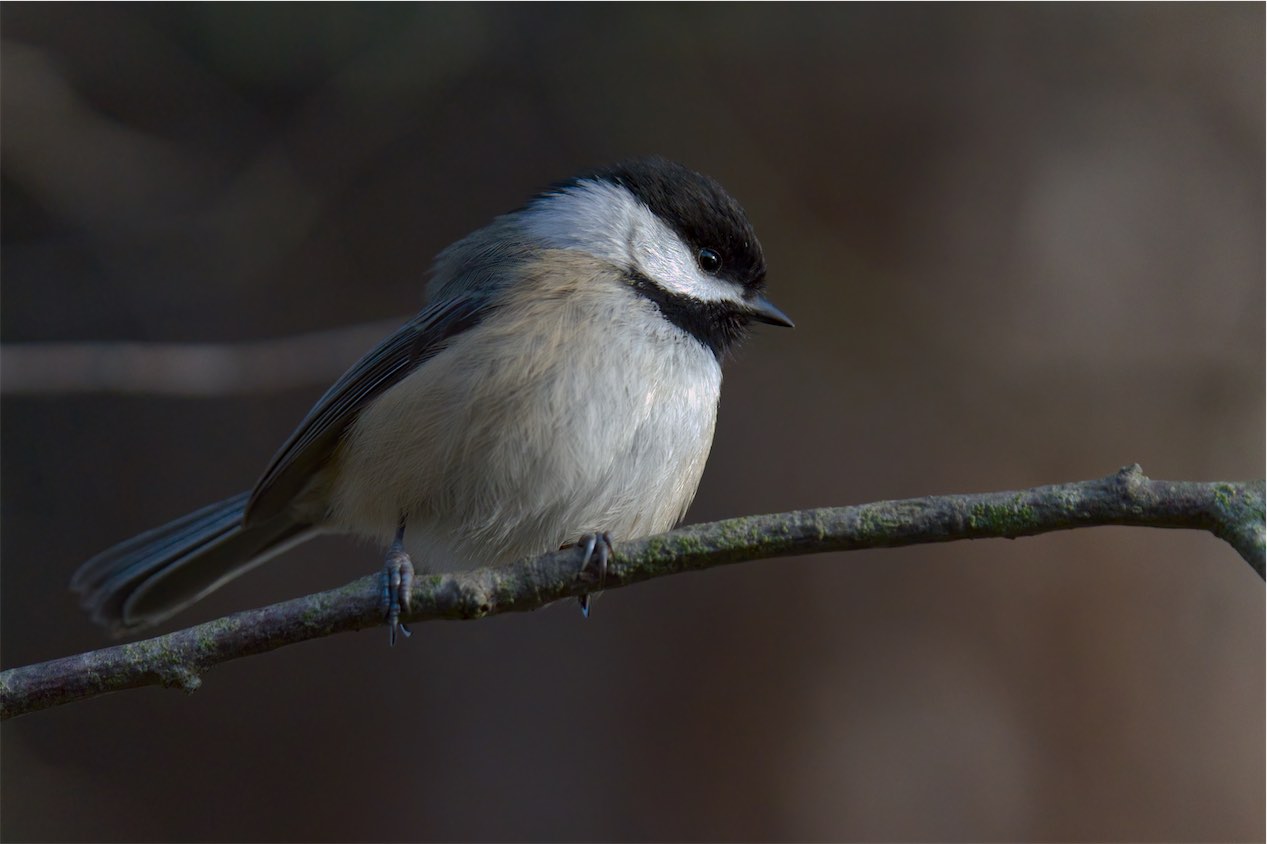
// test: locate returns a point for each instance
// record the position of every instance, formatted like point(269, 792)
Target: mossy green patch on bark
point(1002, 519)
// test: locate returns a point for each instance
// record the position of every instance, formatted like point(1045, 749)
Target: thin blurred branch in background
point(185, 369)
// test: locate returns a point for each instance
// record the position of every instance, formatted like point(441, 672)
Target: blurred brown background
point(1022, 244)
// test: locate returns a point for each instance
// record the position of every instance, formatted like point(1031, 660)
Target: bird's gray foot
point(398, 582)
point(597, 548)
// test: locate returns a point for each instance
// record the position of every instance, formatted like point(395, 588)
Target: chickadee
point(561, 382)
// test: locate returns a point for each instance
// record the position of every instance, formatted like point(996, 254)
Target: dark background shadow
point(1022, 245)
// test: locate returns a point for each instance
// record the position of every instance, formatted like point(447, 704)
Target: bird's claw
point(597, 548)
point(398, 583)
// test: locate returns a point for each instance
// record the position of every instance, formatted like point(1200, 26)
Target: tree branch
point(1231, 511)
point(185, 369)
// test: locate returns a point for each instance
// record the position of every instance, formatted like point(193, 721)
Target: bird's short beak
point(761, 310)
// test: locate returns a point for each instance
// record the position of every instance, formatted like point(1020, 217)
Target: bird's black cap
point(698, 209)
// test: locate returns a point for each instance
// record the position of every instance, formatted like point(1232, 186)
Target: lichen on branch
point(1231, 511)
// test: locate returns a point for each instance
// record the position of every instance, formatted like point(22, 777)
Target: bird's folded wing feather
point(312, 443)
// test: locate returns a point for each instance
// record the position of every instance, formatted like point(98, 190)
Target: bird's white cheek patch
point(610, 223)
point(661, 255)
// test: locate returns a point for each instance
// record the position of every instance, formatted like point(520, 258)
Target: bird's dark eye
point(709, 260)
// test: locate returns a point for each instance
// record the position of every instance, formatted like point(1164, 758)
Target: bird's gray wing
point(312, 443)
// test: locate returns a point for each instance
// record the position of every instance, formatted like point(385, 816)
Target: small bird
point(561, 382)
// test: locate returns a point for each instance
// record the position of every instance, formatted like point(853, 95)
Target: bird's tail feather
point(150, 577)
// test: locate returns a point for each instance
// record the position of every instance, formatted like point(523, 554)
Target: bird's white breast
point(573, 408)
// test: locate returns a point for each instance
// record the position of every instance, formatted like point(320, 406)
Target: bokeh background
point(1022, 244)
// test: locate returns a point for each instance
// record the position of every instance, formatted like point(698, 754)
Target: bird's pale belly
point(555, 462)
